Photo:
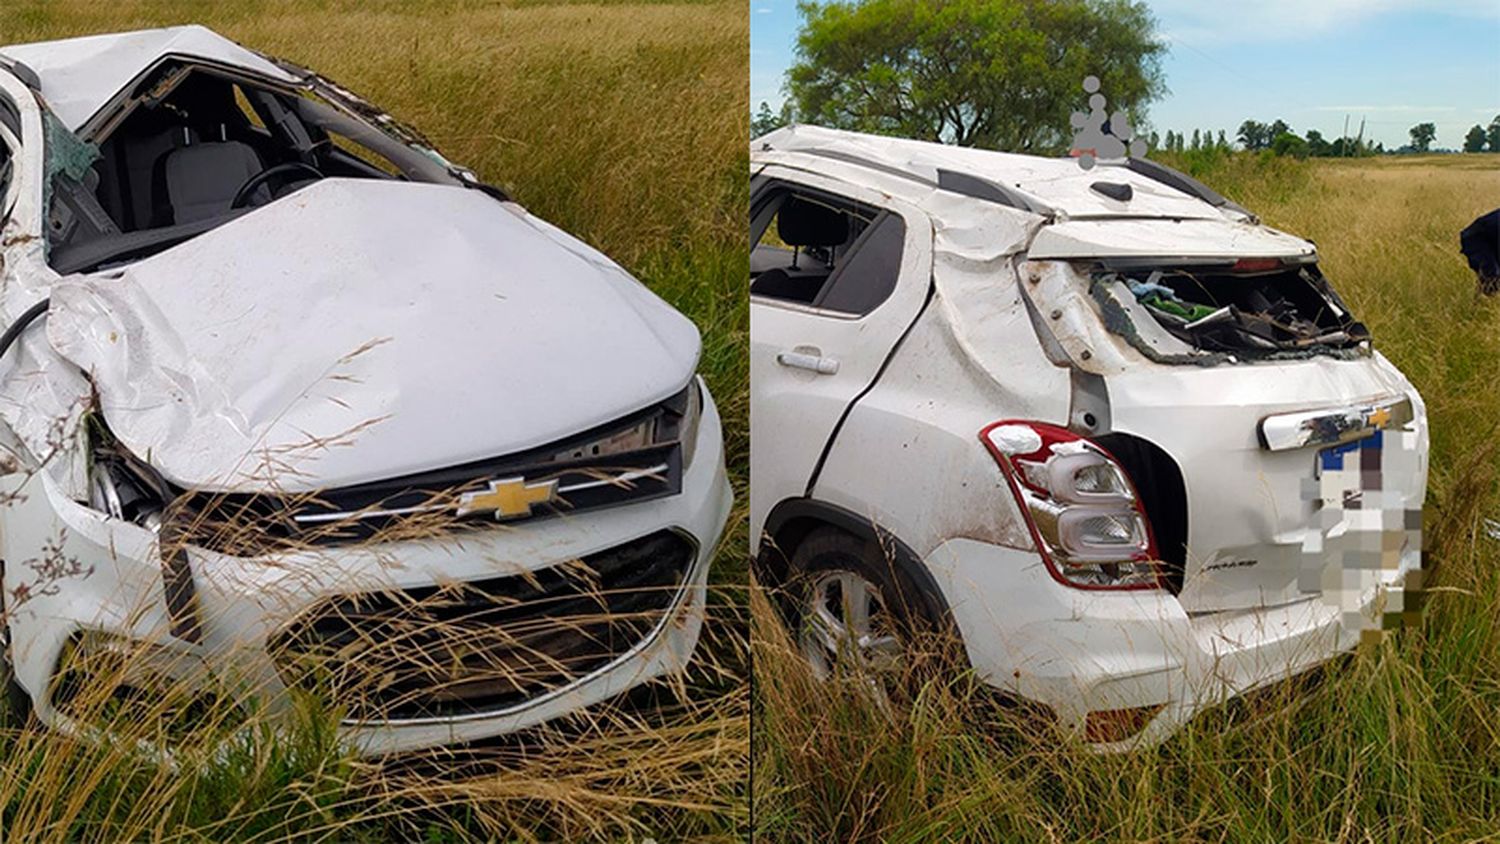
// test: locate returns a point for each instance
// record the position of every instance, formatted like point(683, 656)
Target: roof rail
point(851, 158)
point(953, 181)
point(978, 187)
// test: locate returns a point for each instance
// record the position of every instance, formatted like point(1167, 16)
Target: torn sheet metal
point(974, 254)
point(361, 330)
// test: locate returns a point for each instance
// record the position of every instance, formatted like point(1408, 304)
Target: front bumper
point(1079, 652)
point(115, 588)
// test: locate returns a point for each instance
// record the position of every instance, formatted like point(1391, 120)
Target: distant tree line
point(1279, 138)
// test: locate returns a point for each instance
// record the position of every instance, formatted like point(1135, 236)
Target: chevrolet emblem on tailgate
point(510, 498)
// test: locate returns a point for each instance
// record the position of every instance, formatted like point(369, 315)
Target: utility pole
point(1359, 142)
point(1344, 139)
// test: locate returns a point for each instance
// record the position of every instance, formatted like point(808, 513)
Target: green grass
point(1398, 743)
point(624, 124)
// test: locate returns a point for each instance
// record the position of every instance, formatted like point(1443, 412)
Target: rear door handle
point(810, 362)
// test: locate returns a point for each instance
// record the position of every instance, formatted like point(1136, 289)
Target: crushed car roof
point(1034, 184)
point(80, 75)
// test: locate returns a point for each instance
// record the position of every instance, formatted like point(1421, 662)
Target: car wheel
point(853, 612)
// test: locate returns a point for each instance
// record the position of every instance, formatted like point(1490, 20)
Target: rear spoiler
point(1181, 181)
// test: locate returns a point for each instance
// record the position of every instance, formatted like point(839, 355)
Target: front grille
point(573, 476)
point(483, 646)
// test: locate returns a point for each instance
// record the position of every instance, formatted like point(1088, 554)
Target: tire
point(836, 579)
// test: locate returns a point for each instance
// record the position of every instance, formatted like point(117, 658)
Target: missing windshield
point(192, 148)
point(1251, 308)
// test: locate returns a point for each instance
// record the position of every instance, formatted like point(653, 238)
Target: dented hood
point(361, 329)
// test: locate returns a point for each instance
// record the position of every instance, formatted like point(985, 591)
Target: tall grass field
point(1399, 742)
point(624, 124)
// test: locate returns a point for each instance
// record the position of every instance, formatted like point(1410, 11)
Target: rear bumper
point(1079, 652)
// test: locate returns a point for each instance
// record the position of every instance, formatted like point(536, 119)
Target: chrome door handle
point(809, 362)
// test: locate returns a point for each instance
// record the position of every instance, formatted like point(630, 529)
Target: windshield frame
point(356, 119)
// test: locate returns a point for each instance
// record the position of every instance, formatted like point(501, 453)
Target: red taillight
point(1258, 265)
point(1080, 505)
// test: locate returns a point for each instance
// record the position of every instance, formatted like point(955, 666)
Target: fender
point(791, 520)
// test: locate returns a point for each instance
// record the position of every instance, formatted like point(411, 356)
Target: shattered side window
point(68, 185)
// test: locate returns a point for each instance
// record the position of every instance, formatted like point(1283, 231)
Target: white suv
point(288, 399)
point(1125, 437)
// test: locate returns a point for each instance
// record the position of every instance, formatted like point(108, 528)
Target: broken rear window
point(1251, 308)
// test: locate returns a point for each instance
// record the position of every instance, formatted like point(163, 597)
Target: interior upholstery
point(801, 222)
point(200, 180)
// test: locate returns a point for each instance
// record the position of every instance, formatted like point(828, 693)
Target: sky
point(1391, 63)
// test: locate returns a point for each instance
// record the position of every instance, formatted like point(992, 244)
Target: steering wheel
point(242, 195)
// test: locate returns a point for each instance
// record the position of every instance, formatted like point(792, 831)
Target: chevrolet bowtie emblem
point(510, 498)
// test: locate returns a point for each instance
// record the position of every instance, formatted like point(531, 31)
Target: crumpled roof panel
point(1058, 183)
point(80, 75)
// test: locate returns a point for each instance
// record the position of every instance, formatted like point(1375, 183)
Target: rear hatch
point(1302, 450)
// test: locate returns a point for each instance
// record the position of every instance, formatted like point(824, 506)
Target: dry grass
point(623, 123)
point(1399, 743)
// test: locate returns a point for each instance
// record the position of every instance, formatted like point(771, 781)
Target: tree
point(766, 121)
point(1254, 135)
point(1316, 144)
point(1223, 142)
point(1422, 136)
point(1171, 141)
point(1287, 143)
point(1277, 128)
point(1476, 139)
point(1494, 133)
point(1000, 74)
point(1197, 140)
point(1155, 141)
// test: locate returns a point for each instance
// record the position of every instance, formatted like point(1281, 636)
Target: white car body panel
point(1059, 183)
point(244, 601)
point(1013, 332)
point(80, 75)
point(450, 348)
point(488, 331)
point(1159, 238)
point(809, 402)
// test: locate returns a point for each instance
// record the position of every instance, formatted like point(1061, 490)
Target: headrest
point(800, 222)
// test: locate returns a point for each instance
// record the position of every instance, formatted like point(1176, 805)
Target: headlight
point(674, 419)
point(687, 407)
